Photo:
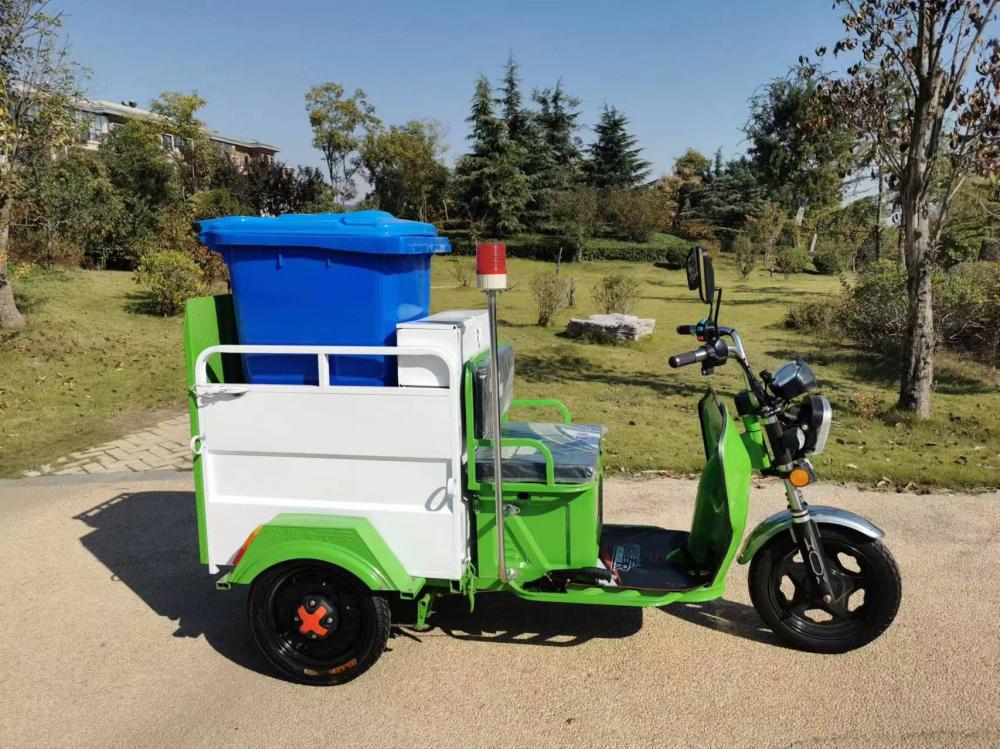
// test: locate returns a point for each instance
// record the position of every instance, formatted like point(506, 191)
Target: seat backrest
point(482, 396)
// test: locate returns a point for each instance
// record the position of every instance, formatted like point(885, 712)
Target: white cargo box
point(463, 333)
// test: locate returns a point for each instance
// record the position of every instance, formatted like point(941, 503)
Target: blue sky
point(681, 71)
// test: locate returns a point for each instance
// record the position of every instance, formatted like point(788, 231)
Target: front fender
point(351, 543)
point(782, 521)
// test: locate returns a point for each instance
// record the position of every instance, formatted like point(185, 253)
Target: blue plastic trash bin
point(324, 279)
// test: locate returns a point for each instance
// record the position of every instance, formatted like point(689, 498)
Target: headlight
point(814, 419)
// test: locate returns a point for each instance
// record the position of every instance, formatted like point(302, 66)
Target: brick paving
point(163, 446)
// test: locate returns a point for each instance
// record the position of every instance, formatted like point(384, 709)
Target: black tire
point(356, 630)
point(801, 618)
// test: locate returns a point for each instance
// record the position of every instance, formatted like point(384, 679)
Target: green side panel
point(610, 596)
point(557, 526)
point(549, 531)
point(350, 543)
point(208, 321)
point(737, 474)
point(723, 490)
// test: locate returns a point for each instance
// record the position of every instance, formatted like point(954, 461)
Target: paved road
point(112, 635)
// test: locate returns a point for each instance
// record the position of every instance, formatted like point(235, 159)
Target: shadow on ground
point(730, 617)
point(149, 542)
point(503, 618)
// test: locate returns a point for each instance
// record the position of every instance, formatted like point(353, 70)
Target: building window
point(168, 141)
point(97, 126)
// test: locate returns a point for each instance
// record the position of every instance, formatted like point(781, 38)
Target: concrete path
point(164, 446)
point(112, 635)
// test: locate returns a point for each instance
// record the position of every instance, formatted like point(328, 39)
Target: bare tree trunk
point(918, 350)
point(878, 217)
point(9, 316)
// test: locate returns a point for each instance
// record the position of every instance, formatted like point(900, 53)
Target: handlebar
point(688, 357)
point(685, 329)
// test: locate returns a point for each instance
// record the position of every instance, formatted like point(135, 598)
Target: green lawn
point(88, 369)
point(85, 370)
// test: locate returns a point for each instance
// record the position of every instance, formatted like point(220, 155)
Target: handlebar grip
point(688, 357)
point(685, 329)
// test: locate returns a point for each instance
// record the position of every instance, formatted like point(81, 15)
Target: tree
point(536, 158)
point(493, 187)
point(801, 152)
point(727, 199)
point(340, 125)
point(37, 86)
point(270, 188)
point(70, 201)
point(614, 156)
point(574, 215)
point(945, 127)
point(557, 117)
point(145, 182)
point(186, 138)
point(974, 222)
point(691, 170)
point(765, 231)
point(693, 166)
point(137, 164)
point(405, 168)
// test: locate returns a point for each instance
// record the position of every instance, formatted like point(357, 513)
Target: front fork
point(806, 534)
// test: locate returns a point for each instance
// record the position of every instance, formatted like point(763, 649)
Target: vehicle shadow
point(149, 542)
point(730, 617)
point(506, 619)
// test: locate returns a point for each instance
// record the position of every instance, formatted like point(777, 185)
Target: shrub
point(820, 316)
point(829, 260)
point(175, 233)
point(616, 292)
point(746, 257)
point(966, 308)
point(790, 260)
point(550, 292)
point(635, 214)
point(170, 278)
point(574, 215)
point(463, 271)
point(694, 230)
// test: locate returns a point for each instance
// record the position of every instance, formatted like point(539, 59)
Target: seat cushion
point(575, 448)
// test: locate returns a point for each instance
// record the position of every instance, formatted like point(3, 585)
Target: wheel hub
point(316, 617)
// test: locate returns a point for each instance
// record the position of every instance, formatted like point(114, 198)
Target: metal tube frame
point(504, 574)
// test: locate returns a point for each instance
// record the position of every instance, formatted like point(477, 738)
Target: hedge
point(663, 248)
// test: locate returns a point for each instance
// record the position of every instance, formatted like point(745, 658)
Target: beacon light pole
point(491, 278)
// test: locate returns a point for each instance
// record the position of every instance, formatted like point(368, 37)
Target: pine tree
point(557, 118)
point(511, 101)
point(614, 156)
point(493, 187)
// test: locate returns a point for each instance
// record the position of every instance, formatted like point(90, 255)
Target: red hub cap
point(316, 617)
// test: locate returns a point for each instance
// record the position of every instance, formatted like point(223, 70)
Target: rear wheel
point(784, 594)
point(317, 624)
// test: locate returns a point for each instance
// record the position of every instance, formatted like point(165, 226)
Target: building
point(101, 117)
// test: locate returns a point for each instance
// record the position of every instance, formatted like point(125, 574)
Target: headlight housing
point(814, 419)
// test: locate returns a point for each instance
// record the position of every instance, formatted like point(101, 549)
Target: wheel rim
point(797, 599)
point(305, 643)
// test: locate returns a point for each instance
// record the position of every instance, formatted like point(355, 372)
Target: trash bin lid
point(375, 232)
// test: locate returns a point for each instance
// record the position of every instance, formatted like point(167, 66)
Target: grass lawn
point(650, 408)
point(88, 368)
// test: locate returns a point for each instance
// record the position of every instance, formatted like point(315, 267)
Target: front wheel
point(784, 594)
point(316, 623)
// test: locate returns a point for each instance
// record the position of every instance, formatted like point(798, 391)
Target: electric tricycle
point(328, 499)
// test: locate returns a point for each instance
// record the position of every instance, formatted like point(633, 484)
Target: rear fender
point(351, 543)
point(779, 522)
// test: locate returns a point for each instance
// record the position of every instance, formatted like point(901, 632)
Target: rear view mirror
point(701, 274)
